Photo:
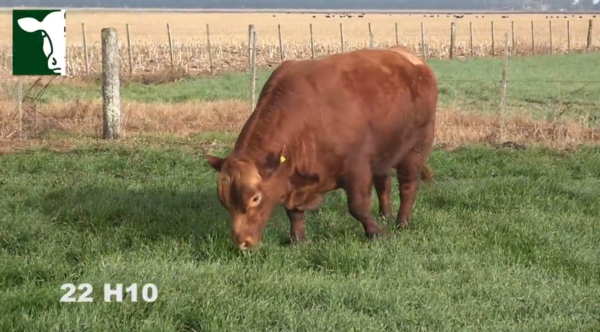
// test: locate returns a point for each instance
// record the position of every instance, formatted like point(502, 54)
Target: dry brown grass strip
point(454, 128)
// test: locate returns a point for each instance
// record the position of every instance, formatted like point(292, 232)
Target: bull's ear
point(300, 179)
point(215, 162)
point(270, 165)
point(29, 24)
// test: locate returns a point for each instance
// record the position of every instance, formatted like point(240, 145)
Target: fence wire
point(151, 44)
point(560, 106)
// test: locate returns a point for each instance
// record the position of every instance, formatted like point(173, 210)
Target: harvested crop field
point(229, 27)
point(229, 36)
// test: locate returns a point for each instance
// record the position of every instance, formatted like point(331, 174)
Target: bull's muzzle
point(245, 242)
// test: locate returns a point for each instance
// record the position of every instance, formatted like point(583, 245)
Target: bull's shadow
point(126, 218)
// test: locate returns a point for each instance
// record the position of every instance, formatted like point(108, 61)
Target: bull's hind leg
point(358, 187)
point(409, 176)
point(383, 187)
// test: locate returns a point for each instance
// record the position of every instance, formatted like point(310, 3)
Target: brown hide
point(342, 121)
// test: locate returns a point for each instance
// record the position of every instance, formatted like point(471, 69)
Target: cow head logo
point(53, 31)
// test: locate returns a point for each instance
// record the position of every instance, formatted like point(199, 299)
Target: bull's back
point(405, 121)
point(341, 107)
point(411, 109)
point(381, 98)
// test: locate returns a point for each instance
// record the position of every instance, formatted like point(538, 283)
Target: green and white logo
point(39, 42)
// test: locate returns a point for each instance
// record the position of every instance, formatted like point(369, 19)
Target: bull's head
point(249, 191)
point(53, 30)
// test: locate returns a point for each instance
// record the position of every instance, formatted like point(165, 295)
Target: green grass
point(542, 86)
point(503, 241)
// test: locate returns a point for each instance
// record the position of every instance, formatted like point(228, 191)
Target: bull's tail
point(426, 174)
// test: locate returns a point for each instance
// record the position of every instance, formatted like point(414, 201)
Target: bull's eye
point(255, 200)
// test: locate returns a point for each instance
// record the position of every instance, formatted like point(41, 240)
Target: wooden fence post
point(452, 39)
point(504, 87)
point(589, 35)
point(396, 28)
point(471, 39)
point(280, 43)
point(85, 50)
point(253, 67)
point(67, 57)
point(170, 47)
point(20, 107)
point(210, 60)
point(111, 98)
point(551, 39)
point(129, 50)
point(250, 31)
point(371, 41)
point(342, 36)
point(512, 33)
point(568, 37)
point(493, 42)
point(532, 39)
point(312, 42)
point(423, 40)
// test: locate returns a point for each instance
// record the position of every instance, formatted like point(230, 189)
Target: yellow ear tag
point(281, 159)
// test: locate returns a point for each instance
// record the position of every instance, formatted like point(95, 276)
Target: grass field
point(229, 36)
point(504, 239)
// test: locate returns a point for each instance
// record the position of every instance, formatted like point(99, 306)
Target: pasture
point(504, 239)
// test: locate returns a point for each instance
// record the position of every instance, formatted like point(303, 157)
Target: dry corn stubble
point(229, 35)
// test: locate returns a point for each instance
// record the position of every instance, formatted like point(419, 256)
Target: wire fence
point(206, 48)
point(506, 98)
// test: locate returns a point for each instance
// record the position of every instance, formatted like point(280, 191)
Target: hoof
point(402, 226)
point(387, 217)
point(293, 240)
point(375, 236)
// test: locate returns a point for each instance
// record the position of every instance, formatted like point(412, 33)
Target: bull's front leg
point(358, 187)
point(297, 225)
